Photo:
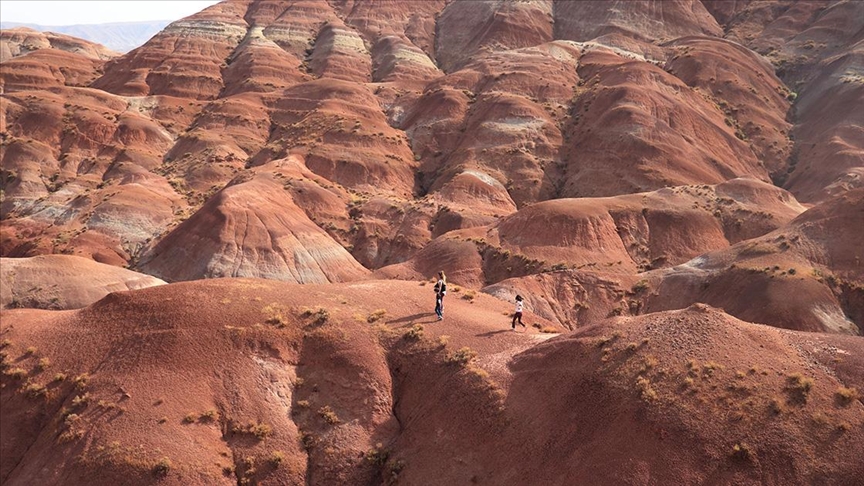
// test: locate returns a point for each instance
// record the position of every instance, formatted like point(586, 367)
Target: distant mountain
point(119, 36)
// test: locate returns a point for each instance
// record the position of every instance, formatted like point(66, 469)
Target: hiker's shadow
point(492, 333)
point(411, 318)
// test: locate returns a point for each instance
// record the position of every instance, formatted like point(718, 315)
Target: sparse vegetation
point(35, 390)
point(378, 455)
point(415, 333)
point(376, 315)
point(469, 295)
point(80, 400)
point(710, 367)
point(15, 373)
point(43, 364)
point(81, 381)
point(603, 341)
point(261, 431)
point(162, 467)
point(742, 452)
point(845, 396)
point(776, 406)
point(30, 351)
point(208, 415)
point(277, 458)
point(395, 467)
point(308, 441)
point(643, 385)
point(320, 317)
point(462, 357)
point(548, 330)
point(190, 418)
point(640, 286)
point(277, 321)
point(798, 386)
point(328, 415)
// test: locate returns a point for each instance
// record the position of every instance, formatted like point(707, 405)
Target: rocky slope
point(454, 133)
point(59, 282)
point(256, 381)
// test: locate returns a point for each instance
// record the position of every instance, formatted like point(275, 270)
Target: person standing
point(440, 292)
point(517, 316)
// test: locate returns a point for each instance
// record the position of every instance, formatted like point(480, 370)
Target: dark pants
point(439, 306)
point(517, 317)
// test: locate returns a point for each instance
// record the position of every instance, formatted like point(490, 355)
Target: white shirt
point(518, 306)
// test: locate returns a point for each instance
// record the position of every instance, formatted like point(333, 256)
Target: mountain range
point(117, 36)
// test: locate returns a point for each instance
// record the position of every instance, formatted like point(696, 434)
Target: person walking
point(440, 292)
point(517, 316)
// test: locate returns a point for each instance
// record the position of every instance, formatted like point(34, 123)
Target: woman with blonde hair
point(440, 292)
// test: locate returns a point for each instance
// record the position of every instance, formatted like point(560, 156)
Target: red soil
point(156, 389)
point(63, 282)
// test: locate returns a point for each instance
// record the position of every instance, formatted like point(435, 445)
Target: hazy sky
point(71, 12)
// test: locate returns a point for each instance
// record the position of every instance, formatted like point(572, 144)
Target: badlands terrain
point(217, 251)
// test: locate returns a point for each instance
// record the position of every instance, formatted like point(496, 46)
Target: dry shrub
point(798, 386)
point(261, 431)
point(15, 373)
point(81, 400)
point(640, 286)
point(319, 316)
point(378, 455)
point(742, 452)
point(162, 467)
point(277, 458)
point(845, 396)
point(643, 385)
point(415, 333)
point(462, 357)
point(328, 415)
point(776, 406)
point(376, 315)
point(710, 367)
point(81, 381)
point(35, 390)
point(209, 415)
point(43, 364)
point(309, 441)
